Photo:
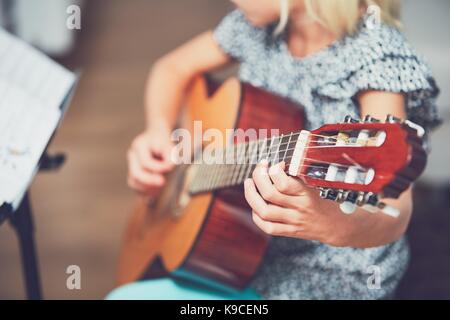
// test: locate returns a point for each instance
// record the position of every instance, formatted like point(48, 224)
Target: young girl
point(333, 57)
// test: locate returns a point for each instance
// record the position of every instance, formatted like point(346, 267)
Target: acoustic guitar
point(200, 226)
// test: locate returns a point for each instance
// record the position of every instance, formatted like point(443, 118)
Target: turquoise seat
point(170, 289)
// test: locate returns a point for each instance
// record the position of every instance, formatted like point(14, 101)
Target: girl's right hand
point(149, 158)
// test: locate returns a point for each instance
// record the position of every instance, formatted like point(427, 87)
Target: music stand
point(21, 219)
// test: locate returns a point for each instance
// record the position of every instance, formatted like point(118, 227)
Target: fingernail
point(264, 162)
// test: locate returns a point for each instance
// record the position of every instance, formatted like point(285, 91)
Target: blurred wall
point(41, 23)
point(427, 26)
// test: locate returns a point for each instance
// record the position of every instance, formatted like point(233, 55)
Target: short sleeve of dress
point(383, 60)
point(237, 37)
point(394, 66)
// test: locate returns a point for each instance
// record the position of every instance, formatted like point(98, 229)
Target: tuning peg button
point(323, 192)
point(392, 119)
point(419, 129)
point(347, 207)
point(349, 119)
point(372, 199)
point(340, 196)
point(351, 196)
point(370, 119)
point(361, 199)
point(329, 194)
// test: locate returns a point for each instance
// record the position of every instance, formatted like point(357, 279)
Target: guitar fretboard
point(235, 164)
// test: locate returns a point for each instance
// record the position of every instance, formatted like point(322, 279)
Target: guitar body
point(208, 236)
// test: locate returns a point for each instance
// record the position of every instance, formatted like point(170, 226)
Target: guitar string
point(246, 145)
point(223, 184)
point(253, 142)
point(240, 179)
point(243, 150)
point(239, 182)
point(296, 134)
point(215, 166)
point(290, 149)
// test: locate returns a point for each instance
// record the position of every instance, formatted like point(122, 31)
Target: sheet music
point(32, 89)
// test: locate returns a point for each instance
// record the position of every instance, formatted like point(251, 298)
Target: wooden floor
point(81, 210)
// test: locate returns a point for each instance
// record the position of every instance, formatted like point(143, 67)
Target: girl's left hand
point(285, 206)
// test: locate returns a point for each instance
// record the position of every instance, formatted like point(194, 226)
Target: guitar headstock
point(359, 162)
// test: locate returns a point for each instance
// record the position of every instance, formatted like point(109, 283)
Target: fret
point(285, 146)
point(229, 163)
point(241, 159)
point(266, 153)
point(229, 155)
point(215, 177)
point(228, 171)
point(200, 177)
point(208, 176)
point(220, 174)
point(290, 151)
point(227, 175)
point(224, 175)
point(236, 163)
point(223, 172)
point(233, 170)
point(240, 149)
point(255, 157)
point(274, 156)
point(220, 169)
point(243, 165)
point(252, 150)
point(282, 147)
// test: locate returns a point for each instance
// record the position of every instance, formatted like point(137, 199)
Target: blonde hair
point(342, 16)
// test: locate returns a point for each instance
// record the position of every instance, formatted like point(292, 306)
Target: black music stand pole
point(22, 222)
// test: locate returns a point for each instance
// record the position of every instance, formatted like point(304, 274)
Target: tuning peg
point(323, 192)
point(361, 199)
point(348, 206)
point(329, 194)
point(349, 119)
point(372, 199)
point(370, 119)
point(392, 119)
point(340, 198)
point(351, 196)
point(389, 210)
point(372, 204)
point(419, 129)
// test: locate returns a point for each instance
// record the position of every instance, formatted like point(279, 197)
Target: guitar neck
point(235, 164)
